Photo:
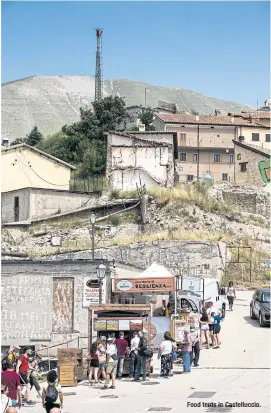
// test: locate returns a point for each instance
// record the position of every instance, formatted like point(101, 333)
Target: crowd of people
point(106, 361)
point(18, 373)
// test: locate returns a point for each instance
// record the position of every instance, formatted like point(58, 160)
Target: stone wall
point(194, 258)
point(30, 306)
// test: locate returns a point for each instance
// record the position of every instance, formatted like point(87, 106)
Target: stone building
point(252, 165)
point(138, 159)
point(46, 302)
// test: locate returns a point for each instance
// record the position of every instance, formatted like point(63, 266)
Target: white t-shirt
point(134, 343)
point(166, 347)
point(111, 349)
point(230, 292)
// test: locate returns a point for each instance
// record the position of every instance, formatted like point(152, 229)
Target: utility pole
point(146, 97)
point(198, 155)
point(98, 73)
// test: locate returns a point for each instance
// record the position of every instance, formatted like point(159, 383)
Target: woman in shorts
point(204, 328)
point(102, 357)
point(94, 363)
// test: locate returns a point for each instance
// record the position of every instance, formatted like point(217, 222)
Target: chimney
point(232, 119)
point(217, 112)
point(197, 117)
point(241, 138)
point(5, 142)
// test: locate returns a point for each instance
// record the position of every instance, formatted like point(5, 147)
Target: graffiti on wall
point(264, 168)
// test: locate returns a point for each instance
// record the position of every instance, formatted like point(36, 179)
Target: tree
point(17, 141)
point(34, 137)
point(146, 116)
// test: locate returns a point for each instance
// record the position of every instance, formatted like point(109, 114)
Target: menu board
point(99, 325)
point(112, 325)
point(136, 325)
point(124, 325)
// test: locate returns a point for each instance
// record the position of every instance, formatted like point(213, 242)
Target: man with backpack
point(22, 369)
point(141, 357)
point(52, 396)
point(12, 355)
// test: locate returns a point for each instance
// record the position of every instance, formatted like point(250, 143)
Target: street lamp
point(92, 221)
point(100, 275)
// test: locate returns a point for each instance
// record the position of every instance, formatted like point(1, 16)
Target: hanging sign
point(91, 292)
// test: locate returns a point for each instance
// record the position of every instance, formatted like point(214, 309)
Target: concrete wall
point(40, 203)
point(132, 162)
point(23, 168)
point(28, 309)
point(252, 175)
point(206, 165)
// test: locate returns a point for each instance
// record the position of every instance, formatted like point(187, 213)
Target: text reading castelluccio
point(226, 404)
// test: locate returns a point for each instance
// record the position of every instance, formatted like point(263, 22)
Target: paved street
point(237, 372)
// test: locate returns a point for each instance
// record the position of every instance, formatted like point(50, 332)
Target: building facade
point(46, 302)
point(135, 160)
point(204, 143)
point(252, 165)
point(23, 166)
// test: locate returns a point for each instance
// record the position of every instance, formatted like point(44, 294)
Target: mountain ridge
point(49, 102)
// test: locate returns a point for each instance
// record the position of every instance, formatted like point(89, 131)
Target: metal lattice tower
point(99, 73)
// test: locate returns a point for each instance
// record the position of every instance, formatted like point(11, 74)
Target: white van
point(208, 289)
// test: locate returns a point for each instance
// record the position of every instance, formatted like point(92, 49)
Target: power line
point(30, 166)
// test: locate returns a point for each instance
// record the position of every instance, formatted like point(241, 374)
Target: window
point(182, 157)
point(243, 166)
point(267, 137)
point(195, 157)
point(255, 137)
point(224, 177)
point(231, 158)
point(190, 177)
point(182, 139)
point(217, 158)
point(239, 156)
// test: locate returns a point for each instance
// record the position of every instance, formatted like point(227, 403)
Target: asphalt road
point(237, 372)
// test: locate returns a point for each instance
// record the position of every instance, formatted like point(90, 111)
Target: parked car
point(260, 306)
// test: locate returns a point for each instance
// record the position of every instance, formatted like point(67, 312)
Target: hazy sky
point(220, 49)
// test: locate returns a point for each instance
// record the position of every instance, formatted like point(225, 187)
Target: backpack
point(51, 394)
point(4, 362)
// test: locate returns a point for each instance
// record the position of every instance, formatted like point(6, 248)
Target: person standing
point(204, 327)
point(52, 396)
point(34, 374)
point(121, 345)
point(166, 355)
point(11, 379)
point(194, 355)
point(186, 349)
point(231, 295)
point(217, 328)
point(102, 357)
point(112, 360)
point(22, 369)
point(94, 363)
point(133, 354)
point(141, 357)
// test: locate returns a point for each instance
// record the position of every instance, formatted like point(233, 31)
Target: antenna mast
point(98, 73)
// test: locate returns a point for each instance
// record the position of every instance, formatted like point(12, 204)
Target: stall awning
point(155, 271)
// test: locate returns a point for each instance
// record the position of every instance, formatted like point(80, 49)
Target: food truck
point(109, 319)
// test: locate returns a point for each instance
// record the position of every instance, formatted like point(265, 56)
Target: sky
point(221, 49)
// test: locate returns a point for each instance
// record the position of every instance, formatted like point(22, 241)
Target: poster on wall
point(136, 325)
point(91, 292)
point(112, 325)
point(124, 325)
point(99, 325)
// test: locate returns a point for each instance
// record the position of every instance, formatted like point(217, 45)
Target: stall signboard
point(91, 292)
point(112, 325)
point(99, 325)
point(136, 325)
point(144, 285)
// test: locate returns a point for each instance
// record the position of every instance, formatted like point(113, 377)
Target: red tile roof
point(205, 120)
point(255, 115)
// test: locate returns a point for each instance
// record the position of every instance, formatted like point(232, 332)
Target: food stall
point(187, 314)
point(109, 319)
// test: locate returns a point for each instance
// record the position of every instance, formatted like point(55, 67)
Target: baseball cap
point(103, 338)
point(17, 347)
